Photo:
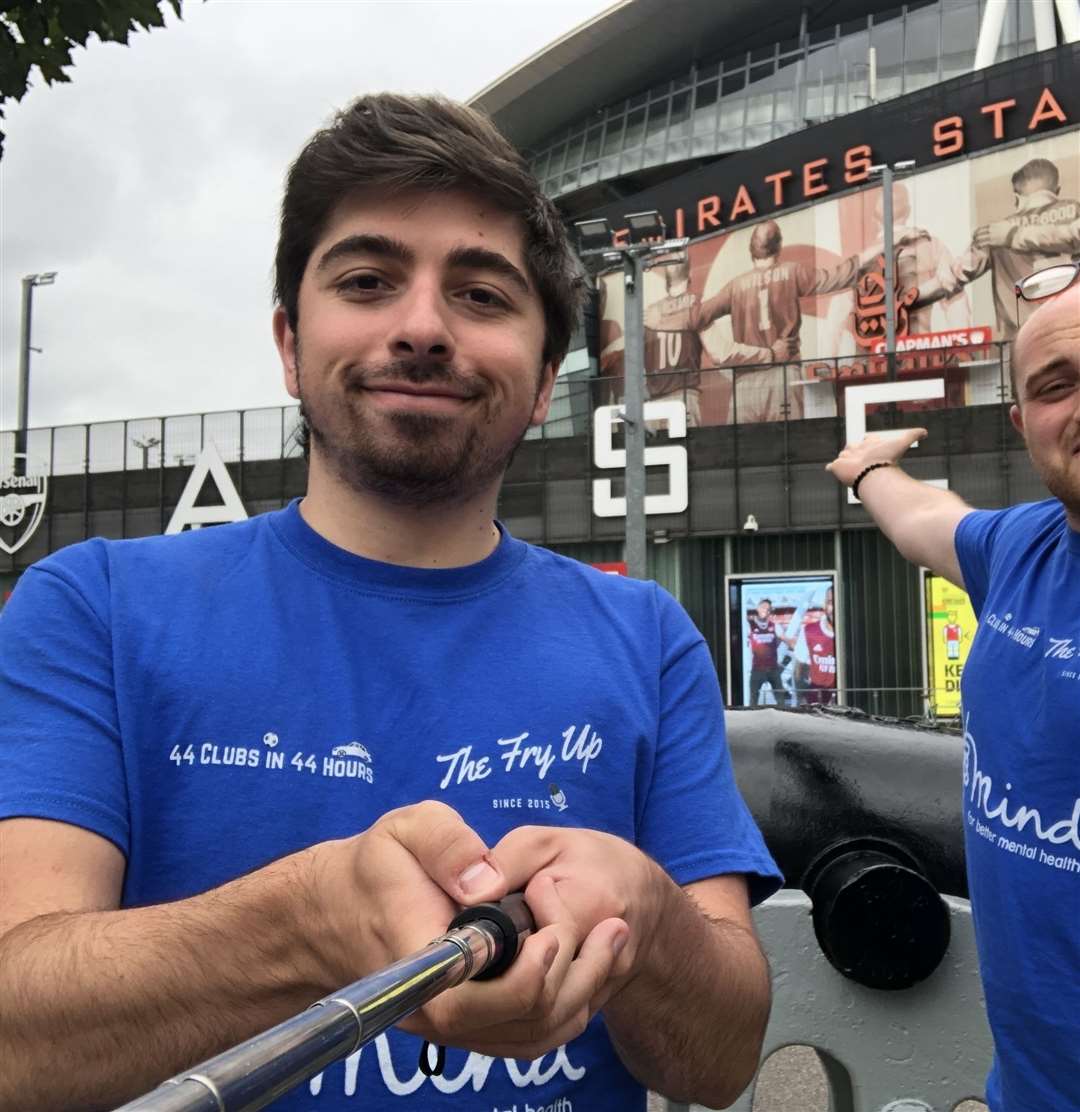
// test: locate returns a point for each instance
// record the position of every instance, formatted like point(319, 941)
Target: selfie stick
point(481, 943)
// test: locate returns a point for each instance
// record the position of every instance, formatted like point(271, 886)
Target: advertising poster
point(766, 300)
point(949, 631)
point(782, 643)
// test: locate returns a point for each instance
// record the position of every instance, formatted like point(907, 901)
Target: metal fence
point(715, 397)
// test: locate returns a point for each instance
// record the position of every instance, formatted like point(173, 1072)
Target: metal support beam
point(990, 33)
point(1069, 13)
point(634, 414)
point(1045, 28)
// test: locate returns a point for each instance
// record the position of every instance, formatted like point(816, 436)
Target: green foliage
point(43, 33)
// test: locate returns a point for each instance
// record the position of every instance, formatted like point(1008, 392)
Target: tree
point(43, 33)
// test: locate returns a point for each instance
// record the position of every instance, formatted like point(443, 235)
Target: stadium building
point(755, 130)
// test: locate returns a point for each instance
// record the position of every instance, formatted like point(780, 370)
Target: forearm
point(919, 519)
point(133, 996)
point(690, 1021)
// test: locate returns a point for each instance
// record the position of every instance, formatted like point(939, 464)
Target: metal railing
point(715, 396)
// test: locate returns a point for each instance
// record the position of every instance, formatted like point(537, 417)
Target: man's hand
point(599, 882)
point(875, 447)
point(391, 890)
point(995, 234)
point(904, 235)
point(785, 350)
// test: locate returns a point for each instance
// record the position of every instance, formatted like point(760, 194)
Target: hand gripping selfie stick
point(481, 943)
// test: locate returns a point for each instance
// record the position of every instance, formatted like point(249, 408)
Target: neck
point(436, 536)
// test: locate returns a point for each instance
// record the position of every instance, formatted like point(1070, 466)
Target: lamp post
point(144, 444)
point(23, 413)
point(887, 175)
point(647, 236)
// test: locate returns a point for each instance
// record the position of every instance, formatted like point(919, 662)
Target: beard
point(412, 459)
point(1063, 483)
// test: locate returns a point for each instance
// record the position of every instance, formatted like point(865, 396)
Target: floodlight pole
point(887, 175)
point(890, 268)
point(23, 405)
point(634, 412)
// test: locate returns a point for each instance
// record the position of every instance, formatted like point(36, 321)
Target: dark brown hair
point(394, 142)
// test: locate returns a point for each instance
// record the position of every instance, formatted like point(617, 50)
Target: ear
point(1017, 417)
point(285, 341)
point(543, 398)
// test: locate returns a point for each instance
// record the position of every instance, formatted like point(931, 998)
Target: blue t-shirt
point(213, 701)
point(1021, 715)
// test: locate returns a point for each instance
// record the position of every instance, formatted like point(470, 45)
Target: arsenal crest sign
point(22, 503)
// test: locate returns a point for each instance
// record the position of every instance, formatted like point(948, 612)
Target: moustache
point(418, 372)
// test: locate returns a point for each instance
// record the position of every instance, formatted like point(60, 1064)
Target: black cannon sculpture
point(863, 815)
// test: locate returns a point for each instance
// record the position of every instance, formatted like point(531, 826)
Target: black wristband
point(866, 471)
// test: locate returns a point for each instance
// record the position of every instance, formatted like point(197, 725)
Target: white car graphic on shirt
point(352, 749)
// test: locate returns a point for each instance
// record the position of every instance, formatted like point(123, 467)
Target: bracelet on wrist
point(866, 471)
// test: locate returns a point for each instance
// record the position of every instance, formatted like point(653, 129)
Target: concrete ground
point(792, 1080)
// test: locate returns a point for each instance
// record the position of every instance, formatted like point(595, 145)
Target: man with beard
point(1021, 698)
point(368, 690)
point(764, 640)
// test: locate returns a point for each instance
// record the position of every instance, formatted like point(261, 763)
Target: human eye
point(361, 282)
point(483, 297)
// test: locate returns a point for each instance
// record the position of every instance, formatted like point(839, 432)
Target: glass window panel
point(635, 129)
point(761, 73)
point(613, 139)
point(755, 136)
point(762, 52)
point(887, 39)
point(558, 160)
point(824, 63)
point(732, 113)
point(630, 160)
point(784, 108)
point(708, 71)
point(852, 27)
point(573, 152)
point(704, 144)
point(1026, 32)
point(683, 81)
point(959, 34)
point(680, 115)
point(919, 75)
point(589, 173)
point(735, 63)
point(823, 35)
point(678, 149)
point(592, 145)
point(730, 139)
point(637, 101)
point(921, 43)
point(733, 83)
point(705, 120)
point(705, 94)
point(759, 109)
point(658, 114)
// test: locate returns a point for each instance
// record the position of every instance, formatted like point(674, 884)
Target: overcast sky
point(151, 183)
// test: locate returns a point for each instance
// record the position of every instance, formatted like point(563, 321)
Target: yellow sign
point(950, 629)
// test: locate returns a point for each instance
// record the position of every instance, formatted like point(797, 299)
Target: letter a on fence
point(188, 514)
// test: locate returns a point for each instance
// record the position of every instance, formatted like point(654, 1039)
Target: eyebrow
point(383, 246)
point(481, 258)
point(1055, 366)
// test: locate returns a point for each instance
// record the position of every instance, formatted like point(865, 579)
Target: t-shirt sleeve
point(60, 752)
point(974, 540)
point(695, 822)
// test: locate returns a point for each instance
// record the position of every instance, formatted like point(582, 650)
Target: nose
point(422, 327)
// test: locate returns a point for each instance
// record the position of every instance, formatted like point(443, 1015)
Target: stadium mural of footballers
point(764, 301)
point(783, 648)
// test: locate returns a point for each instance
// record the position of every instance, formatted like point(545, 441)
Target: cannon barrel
point(865, 816)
